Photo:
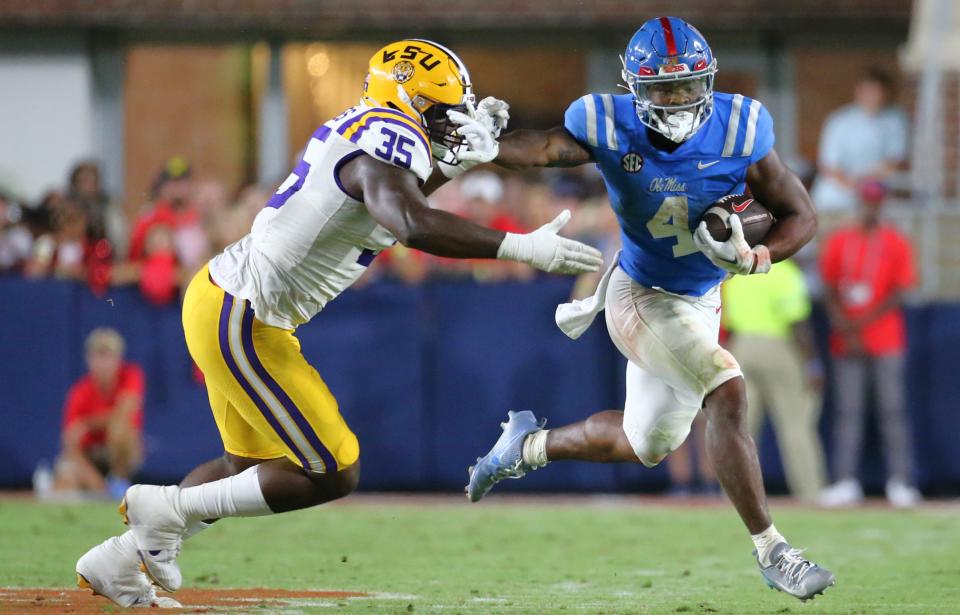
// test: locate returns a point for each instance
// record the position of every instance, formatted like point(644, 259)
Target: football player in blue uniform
point(667, 150)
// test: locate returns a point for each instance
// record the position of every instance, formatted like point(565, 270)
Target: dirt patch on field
point(80, 602)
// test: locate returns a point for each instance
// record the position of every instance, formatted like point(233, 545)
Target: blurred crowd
point(80, 232)
point(859, 267)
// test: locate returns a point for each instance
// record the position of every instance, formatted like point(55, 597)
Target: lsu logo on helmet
point(403, 71)
point(423, 80)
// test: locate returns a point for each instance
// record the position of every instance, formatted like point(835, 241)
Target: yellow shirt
point(766, 305)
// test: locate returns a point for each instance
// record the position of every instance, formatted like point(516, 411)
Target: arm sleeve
point(575, 122)
point(765, 137)
point(394, 142)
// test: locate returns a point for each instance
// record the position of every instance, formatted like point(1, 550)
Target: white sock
point(765, 541)
point(236, 496)
point(535, 449)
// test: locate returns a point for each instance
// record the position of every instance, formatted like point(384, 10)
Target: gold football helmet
point(422, 80)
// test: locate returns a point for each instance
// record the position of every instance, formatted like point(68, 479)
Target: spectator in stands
point(16, 241)
point(863, 141)
point(767, 319)
point(61, 250)
point(102, 445)
point(105, 220)
point(173, 206)
point(211, 202)
point(866, 268)
point(160, 272)
point(168, 241)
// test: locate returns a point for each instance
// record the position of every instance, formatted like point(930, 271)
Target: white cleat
point(112, 570)
point(158, 529)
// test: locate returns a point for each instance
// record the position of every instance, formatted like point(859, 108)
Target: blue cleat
point(793, 574)
point(505, 459)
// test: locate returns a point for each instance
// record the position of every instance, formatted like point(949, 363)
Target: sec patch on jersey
point(755, 218)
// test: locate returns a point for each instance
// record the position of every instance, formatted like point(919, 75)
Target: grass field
point(593, 555)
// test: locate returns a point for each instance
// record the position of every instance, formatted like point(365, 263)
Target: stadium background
point(424, 373)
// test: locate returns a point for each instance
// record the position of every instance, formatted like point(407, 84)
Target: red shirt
point(865, 268)
point(162, 213)
point(85, 400)
point(159, 278)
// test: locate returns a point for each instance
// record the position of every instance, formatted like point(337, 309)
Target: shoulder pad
point(391, 137)
point(591, 119)
point(749, 129)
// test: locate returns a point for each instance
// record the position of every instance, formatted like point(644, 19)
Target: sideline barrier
point(423, 375)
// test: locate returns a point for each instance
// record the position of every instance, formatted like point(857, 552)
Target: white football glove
point(549, 252)
point(494, 114)
point(735, 254)
point(481, 145)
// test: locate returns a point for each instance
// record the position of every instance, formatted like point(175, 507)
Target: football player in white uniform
point(358, 189)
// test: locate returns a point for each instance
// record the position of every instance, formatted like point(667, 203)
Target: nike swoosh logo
point(739, 208)
point(701, 166)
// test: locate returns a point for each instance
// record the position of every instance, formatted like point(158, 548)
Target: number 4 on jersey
point(672, 220)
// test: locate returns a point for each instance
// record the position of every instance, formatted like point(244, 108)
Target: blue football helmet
point(669, 69)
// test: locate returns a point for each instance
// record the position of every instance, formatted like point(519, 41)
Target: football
point(754, 217)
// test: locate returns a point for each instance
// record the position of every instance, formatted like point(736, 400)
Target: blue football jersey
point(659, 196)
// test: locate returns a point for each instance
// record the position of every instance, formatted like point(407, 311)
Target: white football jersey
point(313, 239)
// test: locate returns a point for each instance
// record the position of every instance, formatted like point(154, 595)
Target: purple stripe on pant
point(246, 335)
point(247, 387)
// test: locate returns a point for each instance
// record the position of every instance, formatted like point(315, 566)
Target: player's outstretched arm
point(541, 148)
point(395, 201)
point(780, 191)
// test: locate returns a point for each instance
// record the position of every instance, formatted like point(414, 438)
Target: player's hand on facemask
point(549, 252)
point(494, 114)
point(480, 143)
point(482, 146)
point(735, 254)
